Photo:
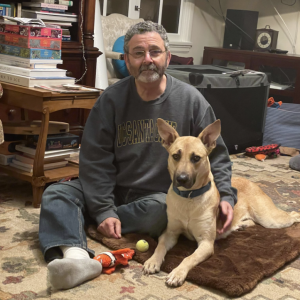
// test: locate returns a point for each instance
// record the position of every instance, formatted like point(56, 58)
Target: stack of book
point(53, 159)
point(18, 151)
point(52, 12)
point(29, 55)
point(5, 10)
point(7, 149)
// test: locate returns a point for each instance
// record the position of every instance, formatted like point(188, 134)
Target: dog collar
point(193, 193)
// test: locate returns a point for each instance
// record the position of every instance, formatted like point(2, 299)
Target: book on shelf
point(29, 63)
point(45, 5)
point(5, 10)
point(49, 16)
point(26, 62)
point(32, 72)
point(63, 2)
point(9, 147)
point(66, 38)
point(55, 141)
point(50, 153)
point(29, 160)
point(29, 168)
point(6, 159)
point(50, 10)
point(33, 81)
point(59, 23)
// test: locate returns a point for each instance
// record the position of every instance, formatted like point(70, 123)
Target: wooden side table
point(46, 102)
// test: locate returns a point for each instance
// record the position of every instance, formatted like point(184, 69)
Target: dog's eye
point(176, 156)
point(195, 158)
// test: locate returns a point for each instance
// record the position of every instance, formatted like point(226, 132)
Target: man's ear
point(126, 58)
point(168, 58)
point(166, 132)
point(210, 134)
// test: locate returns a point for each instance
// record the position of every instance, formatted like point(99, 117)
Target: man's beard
point(144, 75)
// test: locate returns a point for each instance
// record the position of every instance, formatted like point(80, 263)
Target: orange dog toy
point(111, 259)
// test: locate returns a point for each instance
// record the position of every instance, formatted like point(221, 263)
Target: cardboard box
point(30, 42)
point(29, 53)
point(31, 31)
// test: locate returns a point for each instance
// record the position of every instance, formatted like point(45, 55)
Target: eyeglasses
point(142, 53)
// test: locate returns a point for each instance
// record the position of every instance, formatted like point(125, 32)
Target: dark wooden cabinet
point(285, 66)
point(72, 51)
point(74, 63)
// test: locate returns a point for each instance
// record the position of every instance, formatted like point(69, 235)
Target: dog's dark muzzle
point(184, 180)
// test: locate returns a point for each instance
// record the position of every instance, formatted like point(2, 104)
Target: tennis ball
point(142, 245)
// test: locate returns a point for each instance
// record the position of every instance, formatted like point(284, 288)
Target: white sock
point(74, 252)
point(75, 268)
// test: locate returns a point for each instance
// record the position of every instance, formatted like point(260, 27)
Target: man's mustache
point(151, 67)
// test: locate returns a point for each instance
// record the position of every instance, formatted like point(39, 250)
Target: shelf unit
point(45, 102)
point(255, 60)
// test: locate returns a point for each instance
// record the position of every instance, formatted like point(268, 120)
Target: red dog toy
point(267, 149)
point(111, 259)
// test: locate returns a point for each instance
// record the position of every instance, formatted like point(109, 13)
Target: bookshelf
point(73, 62)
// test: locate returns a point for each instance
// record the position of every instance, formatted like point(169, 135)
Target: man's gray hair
point(143, 27)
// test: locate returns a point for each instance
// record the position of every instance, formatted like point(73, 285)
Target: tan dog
point(196, 216)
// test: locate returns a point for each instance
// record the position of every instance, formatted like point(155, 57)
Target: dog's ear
point(166, 132)
point(210, 134)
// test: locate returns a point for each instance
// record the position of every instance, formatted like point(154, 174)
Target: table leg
point(38, 186)
point(38, 178)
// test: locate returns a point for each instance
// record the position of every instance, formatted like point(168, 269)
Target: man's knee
point(157, 218)
point(67, 191)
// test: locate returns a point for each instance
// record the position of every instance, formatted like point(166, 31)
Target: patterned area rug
point(24, 274)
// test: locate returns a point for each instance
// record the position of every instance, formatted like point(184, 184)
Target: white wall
point(207, 30)
point(208, 27)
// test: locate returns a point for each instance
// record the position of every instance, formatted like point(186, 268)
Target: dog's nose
point(182, 178)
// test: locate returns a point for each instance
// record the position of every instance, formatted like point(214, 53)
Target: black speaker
point(240, 30)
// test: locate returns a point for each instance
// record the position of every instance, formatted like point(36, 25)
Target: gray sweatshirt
point(121, 145)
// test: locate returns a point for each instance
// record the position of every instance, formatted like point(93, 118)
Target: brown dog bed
point(238, 264)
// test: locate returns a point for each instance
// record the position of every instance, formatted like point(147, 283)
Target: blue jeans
point(64, 216)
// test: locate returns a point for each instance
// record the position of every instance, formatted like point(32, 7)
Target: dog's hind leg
point(165, 242)
point(268, 215)
point(276, 218)
point(261, 208)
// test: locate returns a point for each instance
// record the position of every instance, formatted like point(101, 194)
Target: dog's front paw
point(176, 277)
point(151, 266)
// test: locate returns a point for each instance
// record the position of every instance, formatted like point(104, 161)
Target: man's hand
point(110, 227)
point(226, 214)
